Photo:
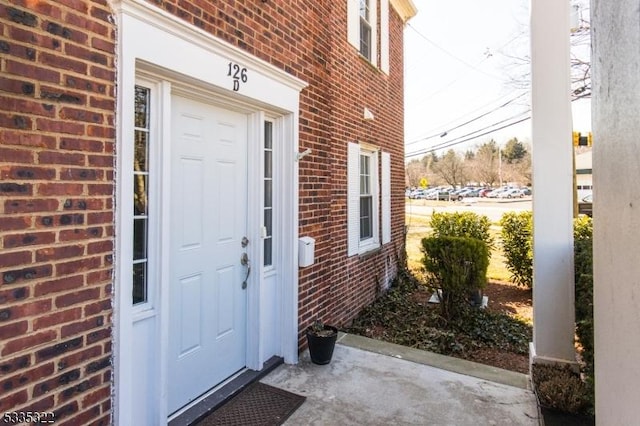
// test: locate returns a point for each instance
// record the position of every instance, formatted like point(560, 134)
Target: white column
point(616, 229)
point(553, 288)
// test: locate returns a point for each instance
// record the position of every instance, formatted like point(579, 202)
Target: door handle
point(244, 260)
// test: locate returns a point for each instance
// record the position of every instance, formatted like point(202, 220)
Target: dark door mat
point(258, 405)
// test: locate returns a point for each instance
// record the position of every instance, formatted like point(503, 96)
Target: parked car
point(444, 195)
point(585, 206)
point(525, 191)
point(496, 192)
point(511, 193)
point(484, 191)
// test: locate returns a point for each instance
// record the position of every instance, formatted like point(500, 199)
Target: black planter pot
point(321, 346)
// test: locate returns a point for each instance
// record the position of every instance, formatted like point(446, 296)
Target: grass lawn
point(418, 228)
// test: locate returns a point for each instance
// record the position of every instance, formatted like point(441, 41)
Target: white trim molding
point(184, 59)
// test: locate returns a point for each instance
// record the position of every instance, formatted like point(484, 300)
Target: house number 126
point(238, 74)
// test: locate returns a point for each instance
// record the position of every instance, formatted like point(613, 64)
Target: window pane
point(139, 283)
point(268, 134)
point(268, 193)
point(141, 107)
point(139, 239)
point(366, 220)
point(268, 163)
point(140, 151)
point(140, 195)
point(365, 39)
point(268, 252)
point(364, 9)
point(268, 221)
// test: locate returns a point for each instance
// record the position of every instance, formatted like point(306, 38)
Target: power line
point(454, 142)
point(445, 51)
point(444, 132)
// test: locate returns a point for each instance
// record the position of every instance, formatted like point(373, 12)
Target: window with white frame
point(363, 17)
point(365, 29)
point(369, 206)
point(141, 195)
point(267, 208)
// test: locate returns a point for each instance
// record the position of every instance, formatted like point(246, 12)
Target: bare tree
point(486, 163)
point(450, 168)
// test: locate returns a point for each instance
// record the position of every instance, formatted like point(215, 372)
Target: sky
point(466, 74)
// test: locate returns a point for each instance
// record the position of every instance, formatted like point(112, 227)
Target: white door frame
point(184, 58)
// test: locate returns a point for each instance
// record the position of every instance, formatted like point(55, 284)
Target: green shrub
point(517, 245)
point(560, 388)
point(462, 224)
point(583, 262)
point(456, 266)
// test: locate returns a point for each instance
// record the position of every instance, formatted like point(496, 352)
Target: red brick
point(55, 382)
point(24, 310)
point(97, 307)
point(16, 155)
point(32, 71)
point(8, 260)
point(81, 357)
point(81, 174)
point(48, 189)
point(59, 252)
point(13, 294)
point(27, 377)
point(96, 396)
point(59, 285)
point(27, 106)
point(28, 239)
point(8, 137)
point(100, 189)
point(56, 126)
point(83, 418)
point(81, 145)
point(50, 157)
point(26, 274)
point(8, 366)
point(42, 405)
point(81, 115)
point(81, 234)
point(12, 330)
point(11, 85)
point(26, 172)
point(56, 318)
point(78, 327)
point(77, 297)
point(27, 341)
point(30, 206)
point(84, 264)
point(14, 223)
point(101, 160)
point(100, 247)
point(63, 63)
point(76, 51)
point(7, 402)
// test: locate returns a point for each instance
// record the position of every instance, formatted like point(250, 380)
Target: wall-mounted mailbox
point(306, 249)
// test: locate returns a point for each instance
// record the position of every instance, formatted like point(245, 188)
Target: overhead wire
point(444, 132)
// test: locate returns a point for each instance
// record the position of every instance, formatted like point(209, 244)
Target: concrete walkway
point(369, 382)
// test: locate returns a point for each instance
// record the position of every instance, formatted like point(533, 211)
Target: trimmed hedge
point(462, 224)
point(517, 245)
point(583, 263)
point(457, 266)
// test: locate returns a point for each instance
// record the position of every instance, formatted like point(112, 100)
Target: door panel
point(207, 307)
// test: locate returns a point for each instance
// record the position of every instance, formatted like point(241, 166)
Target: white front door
point(207, 302)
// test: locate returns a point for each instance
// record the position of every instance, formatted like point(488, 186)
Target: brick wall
point(309, 40)
point(56, 208)
point(56, 162)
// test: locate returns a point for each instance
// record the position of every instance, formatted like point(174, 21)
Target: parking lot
point(490, 207)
